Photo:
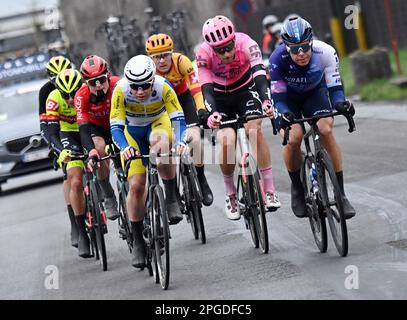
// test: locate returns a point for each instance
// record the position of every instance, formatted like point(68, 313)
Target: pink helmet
point(218, 31)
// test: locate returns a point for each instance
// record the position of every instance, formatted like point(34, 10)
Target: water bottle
point(314, 180)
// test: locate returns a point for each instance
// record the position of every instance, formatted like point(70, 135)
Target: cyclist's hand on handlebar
point(267, 106)
point(181, 149)
point(64, 157)
point(287, 119)
point(92, 159)
point(345, 107)
point(214, 120)
point(129, 153)
point(203, 116)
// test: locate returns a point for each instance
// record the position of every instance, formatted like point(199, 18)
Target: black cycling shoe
point(348, 209)
point(174, 212)
point(207, 195)
point(74, 236)
point(138, 254)
point(84, 246)
point(298, 202)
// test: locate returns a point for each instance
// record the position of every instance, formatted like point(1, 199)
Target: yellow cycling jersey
point(183, 77)
point(126, 110)
point(59, 111)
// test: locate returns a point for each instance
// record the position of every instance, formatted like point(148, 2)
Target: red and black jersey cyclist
point(92, 103)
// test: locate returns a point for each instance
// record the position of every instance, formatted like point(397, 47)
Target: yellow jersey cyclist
point(144, 110)
point(54, 66)
point(179, 71)
point(64, 138)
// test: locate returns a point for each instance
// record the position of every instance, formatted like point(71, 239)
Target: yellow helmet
point(68, 82)
point(159, 43)
point(57, 64)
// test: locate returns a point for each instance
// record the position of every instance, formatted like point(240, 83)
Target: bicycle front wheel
point(196, 205)
point(316, 216)
point(161, 237)
point(333, 204)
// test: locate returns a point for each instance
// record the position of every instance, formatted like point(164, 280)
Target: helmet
point(68, 81)
point(140, 69)
point(269, 20)
point(218, 31)
point(276, 28)
point(291, 15)
point(57, 64)
point(93, 66)
point(159, 43)
point(296, 30)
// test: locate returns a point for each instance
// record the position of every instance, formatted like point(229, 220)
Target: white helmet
point(140, 69)
point(269, 20)
point(276, 28)
point(290, 16)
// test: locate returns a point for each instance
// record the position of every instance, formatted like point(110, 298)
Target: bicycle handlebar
point(313, 120)
point(145, 156)
point(245, 119)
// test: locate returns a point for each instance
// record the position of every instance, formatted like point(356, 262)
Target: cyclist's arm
point(175, 113)
point(253, 54)
point(83, 119)
point(332, 76)
point(187, 70)
point(53, 126)
point(118, 118)
point(42, 110)
point(278, 85)
point(205, 77)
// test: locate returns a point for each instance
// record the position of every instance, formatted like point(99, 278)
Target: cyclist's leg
point(71, 214)
point(99, 137)
point(160, 141)
point(320, 97)
point(136, 137)
point(195, 143)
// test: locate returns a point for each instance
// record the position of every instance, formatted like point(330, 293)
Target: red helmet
point(93, 66)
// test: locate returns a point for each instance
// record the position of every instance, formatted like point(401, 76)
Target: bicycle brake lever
point(273, 124)
point(286, 136)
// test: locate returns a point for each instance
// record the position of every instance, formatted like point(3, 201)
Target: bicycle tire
point(196, 204)
point(315, 214)
point(98, 226)
point(123, 221)
point(258, 212)
point(161, 236)
point(334, 216)
point(185, 199)
point(249, 222)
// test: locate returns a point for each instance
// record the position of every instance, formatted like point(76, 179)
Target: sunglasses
point(228, 48)
point(93, 82)
point(67, 96)
point(304, 47)
point(163, 56)
point(144, 86)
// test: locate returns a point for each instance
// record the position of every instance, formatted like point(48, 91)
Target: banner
point(29, 66)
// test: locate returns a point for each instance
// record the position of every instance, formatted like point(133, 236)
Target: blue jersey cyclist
point(305, 81)
point(144, 111)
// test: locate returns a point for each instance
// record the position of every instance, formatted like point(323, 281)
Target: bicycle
point(191, 197)
point(156, 231)
point(323, 196)
point(250, 190)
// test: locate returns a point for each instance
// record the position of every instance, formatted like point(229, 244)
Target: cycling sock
point(229, 184)
point(170, 189)
point(267, 175)
point(137, 229)
point(80, 221)
point(72, 217)
point(339, 177)
point(106, 188)
point(296, 178)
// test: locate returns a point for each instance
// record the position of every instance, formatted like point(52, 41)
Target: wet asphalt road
point(34, 234)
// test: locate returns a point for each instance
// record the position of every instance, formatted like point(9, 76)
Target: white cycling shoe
point(232, 209)
point(272, 202)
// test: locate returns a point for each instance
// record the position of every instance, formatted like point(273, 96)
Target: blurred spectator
point(268, 22)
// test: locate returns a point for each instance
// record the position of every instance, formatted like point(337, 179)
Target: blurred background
point(372, 50)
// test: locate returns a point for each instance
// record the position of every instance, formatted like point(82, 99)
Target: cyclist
point(178, 70)
point(234, 82)
point(305, 80)
point(54, 66)
point(268, 42)
point(65, 139)
point(92, 103)
point(144, 106)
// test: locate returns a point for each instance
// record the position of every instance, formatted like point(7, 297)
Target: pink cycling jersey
point(230, 77)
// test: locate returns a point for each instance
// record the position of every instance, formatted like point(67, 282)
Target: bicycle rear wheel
point(315, 214)
point(333, 204)
point(196, 204)
point(257, 210)
point(99, 226)
point(161, 236)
